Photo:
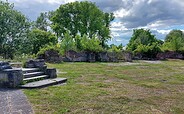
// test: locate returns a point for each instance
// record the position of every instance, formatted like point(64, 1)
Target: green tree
point(67, 43)
point(90, 44)
point(82, 18)
point(42, 21)
point(13, 29)
point(174, 41)
point(39, 38)
point(143, 42)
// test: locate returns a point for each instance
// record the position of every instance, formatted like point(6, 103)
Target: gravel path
point(13, 101)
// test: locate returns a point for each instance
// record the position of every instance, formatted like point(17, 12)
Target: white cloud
point(164, 32)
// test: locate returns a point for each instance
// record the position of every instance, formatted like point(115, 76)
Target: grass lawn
point(110, 88)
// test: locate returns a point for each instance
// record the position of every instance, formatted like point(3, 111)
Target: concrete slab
point(44, 83)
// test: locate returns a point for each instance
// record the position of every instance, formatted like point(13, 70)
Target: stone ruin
point(99, 57)
point(35, 74)
point(73, 56)
point(51, 56)
point(10, 77)
point(169, 55)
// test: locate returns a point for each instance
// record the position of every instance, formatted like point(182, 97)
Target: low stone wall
point(72, 56)
point(51, 56)
point(169, 55)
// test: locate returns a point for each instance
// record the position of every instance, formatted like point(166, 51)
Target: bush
point(49, 47)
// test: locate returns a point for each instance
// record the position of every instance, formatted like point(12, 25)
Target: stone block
point(11, 77)
point(51, 72)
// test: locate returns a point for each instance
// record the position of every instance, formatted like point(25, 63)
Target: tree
point(67, 43)
point(39, 38)
point(82, 18)
point(42, 21)
point(13, 29)
point(174, 41)
point(144, 43)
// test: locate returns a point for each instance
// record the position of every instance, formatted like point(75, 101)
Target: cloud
point(145, 12)
point(33, 8)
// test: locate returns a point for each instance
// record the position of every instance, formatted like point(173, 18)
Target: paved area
point(13, 101)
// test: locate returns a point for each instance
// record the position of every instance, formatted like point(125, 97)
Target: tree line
point(79, 26)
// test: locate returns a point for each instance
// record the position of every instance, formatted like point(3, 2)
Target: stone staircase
point(34, 75)
point(34, 78)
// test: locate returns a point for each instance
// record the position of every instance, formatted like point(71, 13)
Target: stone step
point(44, 83)
point(35, 78)
point(33, 74)
point(29, 70)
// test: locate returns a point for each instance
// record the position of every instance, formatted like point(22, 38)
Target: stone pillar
point(51, 72)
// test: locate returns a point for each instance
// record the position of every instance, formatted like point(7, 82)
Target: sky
point(160, 16)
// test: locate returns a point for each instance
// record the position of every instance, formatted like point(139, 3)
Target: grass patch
point(113, 88)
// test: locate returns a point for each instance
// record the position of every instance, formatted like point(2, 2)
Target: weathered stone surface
point(15, 77)
point(52, 56)
point(4, 65)
point(37, 63)
point(103, 57)
point(72, 56)
point(169, 55)
point(11, 77)
point(51, 72)
point(44, 83)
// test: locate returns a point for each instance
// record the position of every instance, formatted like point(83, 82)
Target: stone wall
point(169, 55)
point(72, 56)
point(51, 56)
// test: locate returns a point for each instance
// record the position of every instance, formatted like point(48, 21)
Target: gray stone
point(44, 83)
point(51, 56)
point(38, 63)
point(4, 65)
point(51, 72)
point(12, 77)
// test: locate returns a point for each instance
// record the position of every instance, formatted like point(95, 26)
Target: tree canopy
point(82, 18)
point(13, 29)
point(42, 21)
point(174, 41)
point(143, 42)
point(39, 38)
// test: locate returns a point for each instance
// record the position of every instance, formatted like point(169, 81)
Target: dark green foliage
point(82, 18)
point(49, 47)
point(39, 38)
point(13, 29)
point(144, 43)
point(42, 21)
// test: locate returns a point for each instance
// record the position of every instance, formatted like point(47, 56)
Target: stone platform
point(44, 83)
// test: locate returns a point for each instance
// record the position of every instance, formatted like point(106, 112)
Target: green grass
point(109, 88)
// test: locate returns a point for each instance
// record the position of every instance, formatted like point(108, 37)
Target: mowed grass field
point(140, 87)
